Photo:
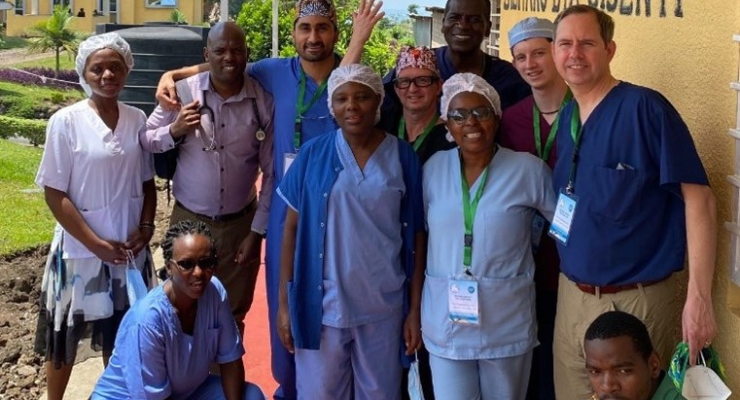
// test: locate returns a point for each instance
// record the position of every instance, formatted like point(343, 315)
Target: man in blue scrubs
point(297, 85)
point(466, 23)
point(634, 200)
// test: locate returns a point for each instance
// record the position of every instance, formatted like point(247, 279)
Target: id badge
point(288, 161)
point(538, 226)
point(563, 218)
point(462, 301)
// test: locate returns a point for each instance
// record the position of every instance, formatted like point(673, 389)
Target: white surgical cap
point(92, 44)
point(467, 82)
point(358, 73)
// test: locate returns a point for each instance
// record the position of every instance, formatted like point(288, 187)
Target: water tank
point(157, 49)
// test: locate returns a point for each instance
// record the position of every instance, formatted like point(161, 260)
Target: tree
point(413, 9)
point(55, 34)
point(380, 52)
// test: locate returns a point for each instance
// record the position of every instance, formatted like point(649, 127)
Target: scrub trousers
point(360, 363)
point(486, 379)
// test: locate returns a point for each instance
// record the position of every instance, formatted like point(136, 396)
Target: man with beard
point(466, 23)
point(225, 138)
point(530, 125)
point(298, 85)
point(621, 361)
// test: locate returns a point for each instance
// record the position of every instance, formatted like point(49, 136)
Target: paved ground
point(256, 342)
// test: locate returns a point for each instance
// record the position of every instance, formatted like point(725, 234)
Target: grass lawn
point(26, 221)
point(13, 42)
point(20, 100)
point(65, 62)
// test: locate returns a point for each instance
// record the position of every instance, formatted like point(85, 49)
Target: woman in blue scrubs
point(169, 339)
point(478, 310)
point(350, 283)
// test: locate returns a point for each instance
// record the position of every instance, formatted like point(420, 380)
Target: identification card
point(538, 226)
point(563, 218)
point(288, 161)
point(463, 301)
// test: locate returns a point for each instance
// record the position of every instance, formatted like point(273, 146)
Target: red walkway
point(257, 340)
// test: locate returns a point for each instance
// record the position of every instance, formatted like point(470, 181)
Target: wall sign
point(636, 8)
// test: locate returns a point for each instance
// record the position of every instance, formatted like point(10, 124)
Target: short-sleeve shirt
point(362, 277)
point(306, 188)
point(101, 170)
point(629, 224)
point(154, 359)
point(517, 186)
point(281, 78)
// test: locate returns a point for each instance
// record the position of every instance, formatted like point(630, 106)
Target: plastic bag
point(414, 386)
point(700, 381)
point(135, 286)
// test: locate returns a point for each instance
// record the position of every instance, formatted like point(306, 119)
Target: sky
point(402, 5)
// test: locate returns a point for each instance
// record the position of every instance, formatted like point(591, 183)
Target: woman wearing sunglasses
point(478, 313)
point(170, 338)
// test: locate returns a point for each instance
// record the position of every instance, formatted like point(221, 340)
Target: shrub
point(32, 129)
point(57, 98)
point(38, 76)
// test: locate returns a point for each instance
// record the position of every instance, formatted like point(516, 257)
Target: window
point(20, 7)
point(160, 3)
point(61, 3)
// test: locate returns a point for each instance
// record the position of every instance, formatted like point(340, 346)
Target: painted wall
point(684, 49)
point(131, 12)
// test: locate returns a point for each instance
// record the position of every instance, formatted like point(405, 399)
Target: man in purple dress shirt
point(225, 138)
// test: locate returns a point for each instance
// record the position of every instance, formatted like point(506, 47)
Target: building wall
point(131, 12)
point(684, 49)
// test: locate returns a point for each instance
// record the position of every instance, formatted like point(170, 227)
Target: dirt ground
point(22, 375)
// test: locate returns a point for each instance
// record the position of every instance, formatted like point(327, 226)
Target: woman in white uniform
point(478, 315)
point(99, 185)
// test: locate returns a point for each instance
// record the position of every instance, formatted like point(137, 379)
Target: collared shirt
point(100, 170)
point(629, 224)
point(155, 359)
point(518, 185)
point(281, 78)
point(220, 181)
point(307, 186)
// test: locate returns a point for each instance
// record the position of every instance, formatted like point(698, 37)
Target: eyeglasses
point(419, 81)
point(460, 115)
point(205, 263)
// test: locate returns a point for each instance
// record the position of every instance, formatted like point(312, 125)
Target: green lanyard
point(544, 155)
point(469, 211)
point(419, 140)
point(302, 108)
point(576, 131)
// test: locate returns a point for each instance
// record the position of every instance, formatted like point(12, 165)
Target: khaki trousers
point(239, 281)
point(656, 305)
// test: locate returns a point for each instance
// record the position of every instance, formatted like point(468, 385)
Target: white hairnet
point(355, 73)
point(92, 44)
point(467, 82)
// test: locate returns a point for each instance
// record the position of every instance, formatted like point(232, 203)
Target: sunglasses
point(205, 263)
point(419, 81)
point(460, 115)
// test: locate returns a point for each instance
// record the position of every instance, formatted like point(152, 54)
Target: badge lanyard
point(419, 140)
point(302, 108)
point(576, 131)
point(544, 155)
point(469, 211)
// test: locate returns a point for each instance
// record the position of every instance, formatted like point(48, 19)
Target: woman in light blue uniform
point(478, 310)
point(349, 293)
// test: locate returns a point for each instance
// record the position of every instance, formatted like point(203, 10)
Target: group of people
point(513, 228)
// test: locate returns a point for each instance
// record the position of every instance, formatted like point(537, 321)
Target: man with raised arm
point(298, 85)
